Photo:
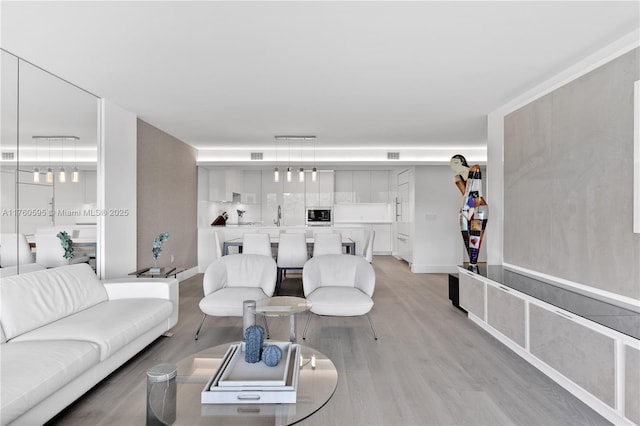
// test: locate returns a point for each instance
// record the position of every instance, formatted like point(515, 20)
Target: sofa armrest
point(127, 288)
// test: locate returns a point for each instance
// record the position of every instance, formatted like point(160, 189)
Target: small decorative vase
point(254, 339)
point(272, 355)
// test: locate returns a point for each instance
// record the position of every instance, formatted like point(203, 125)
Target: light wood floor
point(430, 366)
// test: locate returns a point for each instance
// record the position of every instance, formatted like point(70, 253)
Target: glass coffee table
point(283, 306)
point(315, 387)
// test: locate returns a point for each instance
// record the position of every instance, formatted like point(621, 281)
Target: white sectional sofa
point(63, 331)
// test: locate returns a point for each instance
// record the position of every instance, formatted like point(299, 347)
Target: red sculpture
point(474, 211)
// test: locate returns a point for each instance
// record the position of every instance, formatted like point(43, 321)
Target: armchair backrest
point(327, 244)
point(338, 270)
point(292, 250)
point(241, 270)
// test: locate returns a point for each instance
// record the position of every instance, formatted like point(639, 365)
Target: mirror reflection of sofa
point(62, 331)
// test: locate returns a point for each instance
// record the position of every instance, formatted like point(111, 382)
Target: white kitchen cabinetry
point(597, 364)
point(403, 215)
point(343, 186)
point(382, 240)
point(320, 192)
point(380, 186)
point(271, 197)
point(361, 186)
point(251, 187)
point(223, 184)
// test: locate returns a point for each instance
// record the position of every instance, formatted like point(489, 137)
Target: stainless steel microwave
point(320, 217)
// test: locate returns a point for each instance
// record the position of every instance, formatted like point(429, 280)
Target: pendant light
point(314, 171)
point(62, 175)
point(36, 169)
point(49, 176)
point(300, 170)
point(276, 171)
point(75, 176)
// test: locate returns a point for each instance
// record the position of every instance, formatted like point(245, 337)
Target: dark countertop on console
point(609, 315)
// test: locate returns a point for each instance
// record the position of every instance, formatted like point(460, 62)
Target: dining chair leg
point(201, 322)
point(304, 334)
point(375, 336)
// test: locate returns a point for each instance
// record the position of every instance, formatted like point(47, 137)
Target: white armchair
point(232, 279)
point(367, 253)
point(339, 285)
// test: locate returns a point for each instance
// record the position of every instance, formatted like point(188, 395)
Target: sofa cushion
point(227, 302)
point(339, 301)
point(111, 325)
point(31, 371)
point(38, 298)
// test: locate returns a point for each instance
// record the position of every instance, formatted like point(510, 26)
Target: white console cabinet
point(597, 364)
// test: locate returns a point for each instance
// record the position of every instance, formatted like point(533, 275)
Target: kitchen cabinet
point(382, 239)
point(251, 187)
point(361, 181)
point(343, 186)
point(362, 186)
point(379, 186)
point(271, 197)
point(403, 247)
point(320, 192)
point(225, 184)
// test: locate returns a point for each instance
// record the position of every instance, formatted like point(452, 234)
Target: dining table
point(347, 243)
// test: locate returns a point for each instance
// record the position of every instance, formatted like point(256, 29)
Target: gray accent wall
point(167, 198)
point(568, 181)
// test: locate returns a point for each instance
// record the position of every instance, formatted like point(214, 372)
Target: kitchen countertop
point(342, 222)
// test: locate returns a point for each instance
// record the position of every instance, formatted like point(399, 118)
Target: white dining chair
point(292, 253)
point(256, 243)
point(218, 243)
point(50, 254)
point(327, 244)
point(368, 245)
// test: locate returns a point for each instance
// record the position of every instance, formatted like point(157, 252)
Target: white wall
point(117, 191)
point(437, 243)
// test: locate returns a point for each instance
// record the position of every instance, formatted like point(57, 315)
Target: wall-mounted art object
point(474, 211)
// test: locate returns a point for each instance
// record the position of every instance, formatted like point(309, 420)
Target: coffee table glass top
point(281, 306)
point(315, 388)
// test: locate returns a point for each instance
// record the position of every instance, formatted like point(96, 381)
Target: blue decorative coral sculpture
point(253, 338)
point(272, 355)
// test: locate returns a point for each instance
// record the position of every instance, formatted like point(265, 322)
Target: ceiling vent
point(257, 155)
point(8, 156)
point(393, 155)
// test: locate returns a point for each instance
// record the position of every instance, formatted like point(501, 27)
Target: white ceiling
point(365, 77)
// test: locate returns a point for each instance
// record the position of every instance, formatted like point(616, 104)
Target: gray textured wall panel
point(568, 181)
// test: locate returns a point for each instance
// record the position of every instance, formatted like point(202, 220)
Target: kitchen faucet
point(277, 221)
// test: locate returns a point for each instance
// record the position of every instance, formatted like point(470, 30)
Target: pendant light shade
point(276, 175)
point(62, 175)
point(49, 176)
point(36, 175)
point(288, 174)
point(314, 174)
point(75, 176)
point(300, 174)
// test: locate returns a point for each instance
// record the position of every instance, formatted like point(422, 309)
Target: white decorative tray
point(239, 382)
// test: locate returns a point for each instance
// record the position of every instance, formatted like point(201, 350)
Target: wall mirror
point(50, 134)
